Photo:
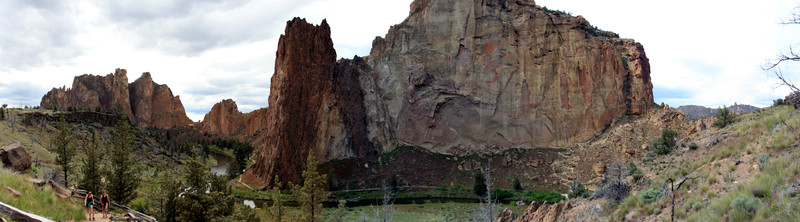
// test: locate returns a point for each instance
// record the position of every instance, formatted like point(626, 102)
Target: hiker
point(104, 201)
point(89, 202)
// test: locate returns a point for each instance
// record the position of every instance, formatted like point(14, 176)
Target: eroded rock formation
point(154, 105)
point(147, 103)
point(314, 103)
point(475, 75)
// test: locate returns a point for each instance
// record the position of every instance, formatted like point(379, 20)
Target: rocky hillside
point(467, 77)
point(747, 171)
point(700, 112)
point(143, 101)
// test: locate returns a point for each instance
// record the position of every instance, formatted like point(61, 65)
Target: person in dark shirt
point(105, 201)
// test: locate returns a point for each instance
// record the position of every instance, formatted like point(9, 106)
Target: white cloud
point(205, 51)
point(701, 52)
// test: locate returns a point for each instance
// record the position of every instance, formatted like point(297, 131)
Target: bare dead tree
point(614, 186)
point(790, 56)
point(386, 211)
point(486, 212)
point(794, 18)
point(673, 187)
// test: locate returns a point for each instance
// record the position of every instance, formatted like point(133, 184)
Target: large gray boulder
point(15, 157)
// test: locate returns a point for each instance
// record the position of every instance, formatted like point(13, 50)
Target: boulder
point(505, 216)
point(599, 168)
point(15, 157)
point(793, 99)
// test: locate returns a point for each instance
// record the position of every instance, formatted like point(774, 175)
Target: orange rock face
point(224, 119)
point(153, 105)
point(143, 101)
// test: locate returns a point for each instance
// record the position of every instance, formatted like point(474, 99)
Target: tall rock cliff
point(456, 77)
point(143, 101)
point(314, 103)
point(480, 75)
point(153, 105)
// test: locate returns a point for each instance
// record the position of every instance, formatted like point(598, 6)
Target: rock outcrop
point(314, 103)
point(565, 211)
point(153, 105)
point(146, 103)
point(224, 119)
point(793, 99)
point(695, 112)
point(472, 76)
point(15, 157)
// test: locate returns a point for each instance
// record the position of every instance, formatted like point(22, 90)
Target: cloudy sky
point(701, 52)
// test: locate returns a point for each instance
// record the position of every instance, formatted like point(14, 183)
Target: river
point(223, 162)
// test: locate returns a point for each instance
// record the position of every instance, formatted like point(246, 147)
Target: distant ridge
point(700, 112)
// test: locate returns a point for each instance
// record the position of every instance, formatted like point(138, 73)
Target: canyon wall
point(454, 77)
point(146, 103)
point(483, 75)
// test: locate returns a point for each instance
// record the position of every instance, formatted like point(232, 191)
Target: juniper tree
point(724, 118)
point(91, 166)
point(123, 175)
point(311, 195)
point(63, 145)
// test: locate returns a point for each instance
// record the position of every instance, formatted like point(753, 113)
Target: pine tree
point(91, 166)
point(193, 204)
point(311, 195)
point(724, 118)
point(480, 184)
point(276, 211)
point(123, 178)
point(62, 144)
point(166, 200)
point(208, 196)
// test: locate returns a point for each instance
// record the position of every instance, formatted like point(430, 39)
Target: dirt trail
point(98, 217)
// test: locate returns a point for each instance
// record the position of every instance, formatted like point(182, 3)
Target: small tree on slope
point(123, 178)
point(63, 145)
point(91, 166)
point(311, 195)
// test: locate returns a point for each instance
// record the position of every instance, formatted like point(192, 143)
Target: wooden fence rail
point(18, 215)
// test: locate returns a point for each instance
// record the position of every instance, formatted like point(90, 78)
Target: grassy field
point(36, 200)
point(407, 212)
